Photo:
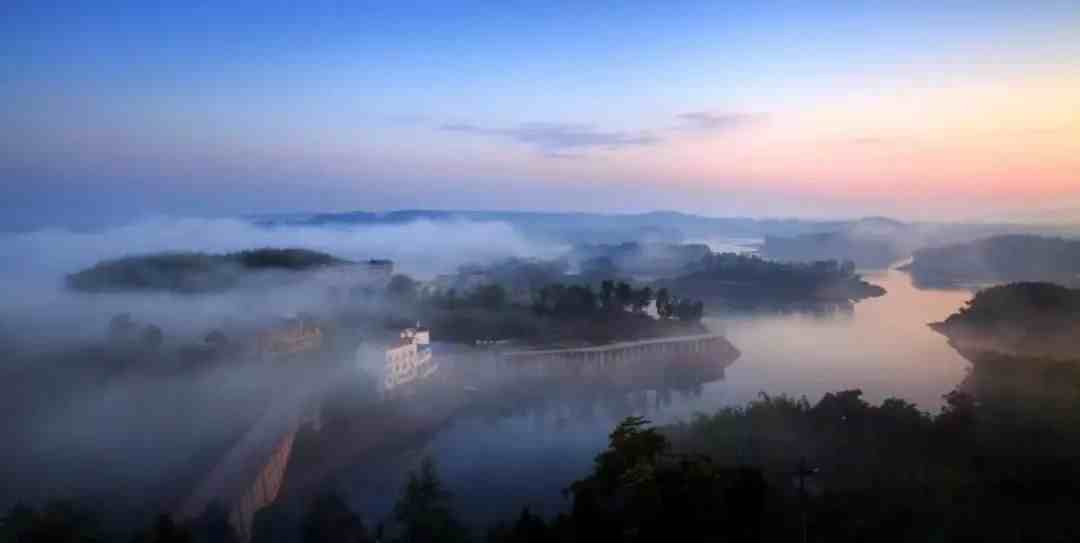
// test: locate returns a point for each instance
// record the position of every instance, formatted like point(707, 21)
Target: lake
point(497, 461)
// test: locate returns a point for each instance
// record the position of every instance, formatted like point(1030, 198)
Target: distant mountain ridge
point(671, 226)
point(871, 242)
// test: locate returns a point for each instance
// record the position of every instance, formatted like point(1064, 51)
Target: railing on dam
point(613, 358)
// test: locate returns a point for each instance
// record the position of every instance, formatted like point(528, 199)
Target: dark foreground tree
point(59, 522)
point(213, 526)
point(165, 530)
point(424, 512)
point(528, 528)
point(329, 520)
point(664, 308)
point(638, 491)
point(275, 524)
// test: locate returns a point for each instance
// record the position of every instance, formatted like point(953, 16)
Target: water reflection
point(502, 456)
point(882, 346)
point(521, 450)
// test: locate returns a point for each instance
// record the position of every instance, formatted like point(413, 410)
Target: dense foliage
point(557, 313)
point(994, 463)
point(865, 252)
point(1000, 259)
point(1040, 319)
point(637, 259)
point(746, 280)
point(194, 272)
point(838, 470)
point(1021, 304)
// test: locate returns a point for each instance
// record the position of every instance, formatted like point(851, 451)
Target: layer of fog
point(72, 431)
point(38, 306)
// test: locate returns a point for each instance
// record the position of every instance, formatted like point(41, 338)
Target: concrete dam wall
point(619, 363)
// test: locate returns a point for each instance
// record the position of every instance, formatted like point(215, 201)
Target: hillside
point(1024, 319)
point(748, 281)
point(864, 252)
point(999, 259)
point(639, 259)
point(194, 272)
point(657, 226)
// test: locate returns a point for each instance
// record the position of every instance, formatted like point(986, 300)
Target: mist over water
point(535, 273)
point(881, 346)
point(77, 429)
point(496, 459)
point(35, 264)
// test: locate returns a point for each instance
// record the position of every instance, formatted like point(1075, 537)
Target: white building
point(410, 360)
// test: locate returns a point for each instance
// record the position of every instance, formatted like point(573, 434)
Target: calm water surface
point(525, 454)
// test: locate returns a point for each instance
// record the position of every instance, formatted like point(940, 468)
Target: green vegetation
point(866, 252)
point(329, 518)
point(559, 313)
point(745, 281)
point(194, 272)
point(986, 468)
point(424, 513)
point(996, 462)
point(999, 259)
point(1030, 319)
point(57, 521)
point(1032, 305)
point(774, 470)
point(638, 259)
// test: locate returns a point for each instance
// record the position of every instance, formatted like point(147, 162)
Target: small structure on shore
point(289, 336)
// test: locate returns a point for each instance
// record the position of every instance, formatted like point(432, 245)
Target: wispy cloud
point(559, 140)
point(1054, 130)
point(868, 140)
point(720, 122)
point(463, 127)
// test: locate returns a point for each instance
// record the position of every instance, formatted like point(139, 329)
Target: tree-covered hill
point(1000, 259)
point(749, 281)
point(191, 272)
point(1029, 319)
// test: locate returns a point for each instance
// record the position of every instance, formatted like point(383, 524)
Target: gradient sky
point(921, 110)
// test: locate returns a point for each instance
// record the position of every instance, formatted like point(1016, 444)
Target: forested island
point(556, 314)
point(639, 259)
point(999, 259)
point(1001, 453)
point(190, 272)
point(748, 281)
point(1024, 319)
point(864, 252)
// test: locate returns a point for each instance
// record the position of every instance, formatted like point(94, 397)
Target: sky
point(917, 110)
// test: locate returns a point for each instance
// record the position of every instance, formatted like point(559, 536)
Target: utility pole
point(803, 472)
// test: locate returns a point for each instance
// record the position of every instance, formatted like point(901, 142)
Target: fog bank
point(40, 308)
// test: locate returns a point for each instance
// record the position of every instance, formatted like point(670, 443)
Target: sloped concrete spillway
point(251, 474)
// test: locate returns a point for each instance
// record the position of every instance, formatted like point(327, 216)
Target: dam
point(618, 363)
point(253, 473)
